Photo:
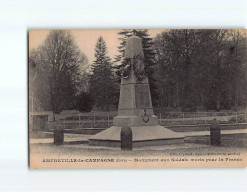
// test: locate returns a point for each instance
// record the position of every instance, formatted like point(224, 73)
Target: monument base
point(134, 121)
point(142, 136)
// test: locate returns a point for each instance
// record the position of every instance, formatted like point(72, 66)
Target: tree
point(149, 55)
point(84, 102)
point(200, 68)
point(233, 67)
point(59, 67)
point(102, 86)
point(175, 53)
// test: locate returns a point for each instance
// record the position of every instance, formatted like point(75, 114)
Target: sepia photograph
point(137, 98)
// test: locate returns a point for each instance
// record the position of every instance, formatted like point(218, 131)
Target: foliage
point(84, 102)
point(201, 68)
point(58, 69)
point(102, 86)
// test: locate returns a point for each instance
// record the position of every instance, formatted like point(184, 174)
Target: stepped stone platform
point(142, 136)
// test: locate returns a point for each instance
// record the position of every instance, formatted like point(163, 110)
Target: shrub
point(84, 102)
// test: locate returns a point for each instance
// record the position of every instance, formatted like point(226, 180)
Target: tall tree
point(149, 55)
point(102, 86)
point(233, 68)
point(197, 68)
point(59, 68)
point(175, 51)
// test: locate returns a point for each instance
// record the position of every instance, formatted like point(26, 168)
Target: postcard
point(137, 98)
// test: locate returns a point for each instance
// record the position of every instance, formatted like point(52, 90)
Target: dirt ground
point(199, 144)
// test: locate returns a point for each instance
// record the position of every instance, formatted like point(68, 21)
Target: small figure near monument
point(215, 134)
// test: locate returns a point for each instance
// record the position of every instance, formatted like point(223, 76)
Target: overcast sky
point(86, 40)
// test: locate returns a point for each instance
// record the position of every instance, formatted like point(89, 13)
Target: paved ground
point(83, 150)
point(67, 138)
point(83, 138)
point(197, 146)
point(224, 132)
point(232, 141)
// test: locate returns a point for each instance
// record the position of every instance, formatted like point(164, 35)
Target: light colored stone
point(134, 101)
point(133, 47)
point(142, 136)
point(135, 110)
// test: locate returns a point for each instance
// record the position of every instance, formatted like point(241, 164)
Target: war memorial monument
point(135, 107)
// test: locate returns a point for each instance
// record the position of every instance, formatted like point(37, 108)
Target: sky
point(86, 40)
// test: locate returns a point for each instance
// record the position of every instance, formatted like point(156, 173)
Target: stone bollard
point(126, 138)
point(215, 134)
point(58, 134)
point(39, 122)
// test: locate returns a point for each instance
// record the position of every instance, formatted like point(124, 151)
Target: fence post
point(108, 122)
point(160, 119)
point(172, 118)
point(93, 119)
point(79, 121)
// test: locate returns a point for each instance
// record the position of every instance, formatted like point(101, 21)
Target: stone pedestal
point(135, 105)
point(58, 134)
point(215, 134)
point(39, 122)
point(126, 138)
point(135, 110)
